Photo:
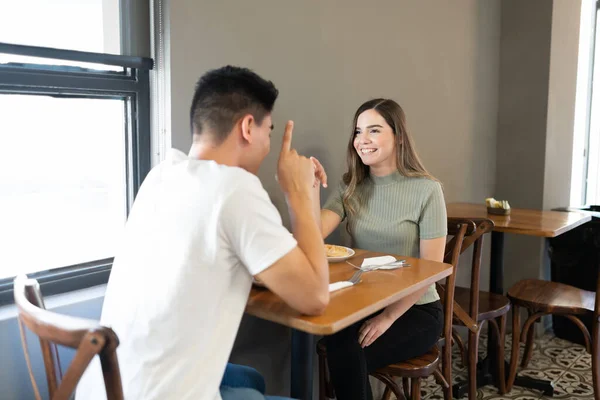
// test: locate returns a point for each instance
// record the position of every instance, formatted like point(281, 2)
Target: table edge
point(344, 323)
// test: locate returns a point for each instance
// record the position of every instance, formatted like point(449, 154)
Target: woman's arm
point(431, 249)
point(329, 219)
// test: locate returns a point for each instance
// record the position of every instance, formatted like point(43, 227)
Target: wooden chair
point(482, 307)
point(87, 336)
point(551, 298)
point(412, 371)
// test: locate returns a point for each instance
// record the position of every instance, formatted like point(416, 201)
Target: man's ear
point(247, 125)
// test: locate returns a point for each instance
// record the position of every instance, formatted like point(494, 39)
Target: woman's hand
point(373, 328)
point(320, 175)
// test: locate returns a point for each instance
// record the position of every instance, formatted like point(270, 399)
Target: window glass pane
point(86, 25)
point(62, 181)
point(593, 172)
point(51, 63)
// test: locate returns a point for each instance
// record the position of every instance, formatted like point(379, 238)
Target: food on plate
point(335, 251)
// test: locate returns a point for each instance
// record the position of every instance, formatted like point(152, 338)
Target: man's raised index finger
point(286, 144)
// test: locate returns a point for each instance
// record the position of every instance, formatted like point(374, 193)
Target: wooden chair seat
point(552, 297)
point(491, 305)
point(417, 367)
point(542, 298)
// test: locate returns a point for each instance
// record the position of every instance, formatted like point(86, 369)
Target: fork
point(344, 284)
point(366, 268)
point(356, 277)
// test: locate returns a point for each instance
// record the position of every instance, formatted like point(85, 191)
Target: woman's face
point(375, 142)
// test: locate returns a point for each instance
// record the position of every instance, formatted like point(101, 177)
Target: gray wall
point(439, 60)
point(538, 77)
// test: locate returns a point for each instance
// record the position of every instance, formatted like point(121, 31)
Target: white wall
point(562, 90)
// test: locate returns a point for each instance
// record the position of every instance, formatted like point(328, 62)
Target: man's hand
point(295, 173)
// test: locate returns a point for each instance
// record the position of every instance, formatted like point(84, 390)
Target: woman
point(392, 205)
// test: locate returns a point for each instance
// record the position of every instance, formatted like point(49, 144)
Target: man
point(201, 227)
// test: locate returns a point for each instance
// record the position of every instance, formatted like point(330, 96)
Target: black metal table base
point(303, 347)
point(486, 376)
point(547, 387)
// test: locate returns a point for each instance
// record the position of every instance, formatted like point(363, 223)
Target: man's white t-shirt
point(197, 233)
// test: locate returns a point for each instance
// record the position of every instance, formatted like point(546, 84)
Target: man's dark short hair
point(225, 95)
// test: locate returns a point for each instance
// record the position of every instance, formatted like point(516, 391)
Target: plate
point(339, 253)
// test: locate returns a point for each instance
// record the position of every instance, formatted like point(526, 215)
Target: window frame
point(594, 63)
point(133, 84)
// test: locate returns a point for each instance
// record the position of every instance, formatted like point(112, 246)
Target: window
point(75, 135)
point(585, 188)
point(592, 189)
point(85, 25)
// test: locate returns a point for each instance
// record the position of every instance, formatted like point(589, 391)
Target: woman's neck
point(383, 169)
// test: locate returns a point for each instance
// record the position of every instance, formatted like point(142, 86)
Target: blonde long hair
point(407, 161)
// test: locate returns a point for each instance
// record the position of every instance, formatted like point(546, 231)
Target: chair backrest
point(87, 336)
point(475, 239)
point(458, 228)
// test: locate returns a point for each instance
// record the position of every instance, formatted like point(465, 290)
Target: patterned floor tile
point(564, 363)
point(490, 392)
point(572, 385)
point(583, 364)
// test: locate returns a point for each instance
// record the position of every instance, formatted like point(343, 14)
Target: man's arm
point(301, 277)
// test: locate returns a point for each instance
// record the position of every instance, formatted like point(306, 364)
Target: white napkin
point(378, 261)
point(367, 262)
point(339, 285)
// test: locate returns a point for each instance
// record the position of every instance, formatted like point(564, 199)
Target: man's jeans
point(244, 383)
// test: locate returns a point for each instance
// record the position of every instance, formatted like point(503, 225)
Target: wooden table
point(546, 224)
point(376, 290)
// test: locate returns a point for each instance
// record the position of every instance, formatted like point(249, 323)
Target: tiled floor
point(566, 364)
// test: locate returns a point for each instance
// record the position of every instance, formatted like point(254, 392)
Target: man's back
point(180, 283)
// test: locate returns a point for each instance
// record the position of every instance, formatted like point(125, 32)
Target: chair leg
point(501, 346)
point(387, 394)
point(415, 389)
point(461, 346)
point(528, 345)
point(389, 383)
point(596, 358)
point(596, 353)
point(447, 370)
point(473, 358)
point(584, 331)
point(406, 387)
point(516, 342)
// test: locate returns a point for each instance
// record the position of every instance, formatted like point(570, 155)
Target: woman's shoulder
point(426, 183)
